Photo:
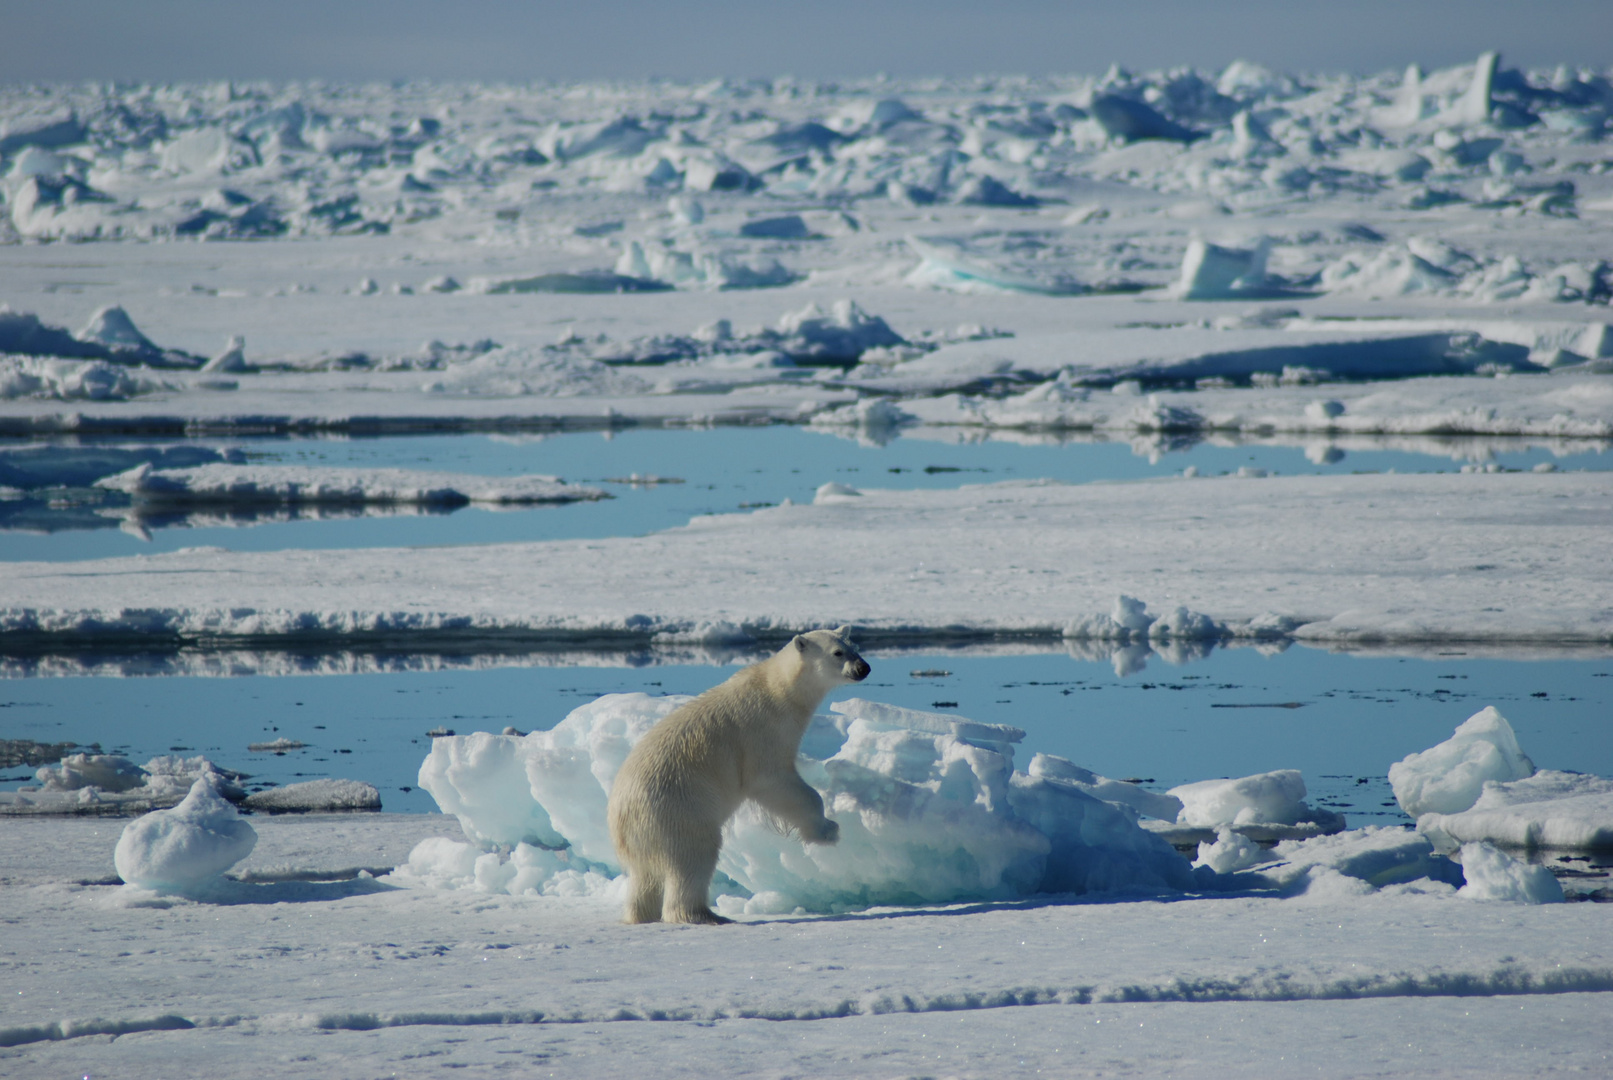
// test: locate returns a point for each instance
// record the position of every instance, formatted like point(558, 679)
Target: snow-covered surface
point(314, 962)
point(1509, 557)
point(1245, 255)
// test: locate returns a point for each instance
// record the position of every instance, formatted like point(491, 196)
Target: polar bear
point(689, 774)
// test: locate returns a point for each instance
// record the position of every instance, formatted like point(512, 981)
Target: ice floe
point(911, 563)
point(1547, 810)
point(248, 485)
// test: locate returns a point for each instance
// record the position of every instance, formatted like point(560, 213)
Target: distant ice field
point(722, 470)
point(1340, 718)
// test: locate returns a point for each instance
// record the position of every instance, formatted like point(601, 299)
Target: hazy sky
point(519, 40)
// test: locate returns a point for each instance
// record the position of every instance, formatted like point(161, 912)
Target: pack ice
point(930, 808)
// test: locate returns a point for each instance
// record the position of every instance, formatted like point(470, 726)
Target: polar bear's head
point(830, 656)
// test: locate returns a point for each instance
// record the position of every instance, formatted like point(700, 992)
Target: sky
point(544, 40)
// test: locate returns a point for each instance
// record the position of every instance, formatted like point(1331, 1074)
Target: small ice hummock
point(1448, 778)
point(185, 846)
point(1492, 874)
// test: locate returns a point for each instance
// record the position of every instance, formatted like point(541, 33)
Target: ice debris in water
point(1448, 778)
point(930, 809)
point(185, 846)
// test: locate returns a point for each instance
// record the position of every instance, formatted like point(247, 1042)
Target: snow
point(1449, 778)
point(186, 846)
point(1315, 558)
point(110, 784)
point(1376, 856)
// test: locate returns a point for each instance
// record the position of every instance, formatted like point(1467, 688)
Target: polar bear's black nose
point(860, 670)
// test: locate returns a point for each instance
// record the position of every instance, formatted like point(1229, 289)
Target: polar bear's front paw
point(828, 833)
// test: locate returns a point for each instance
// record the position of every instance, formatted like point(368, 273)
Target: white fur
point(736, 741)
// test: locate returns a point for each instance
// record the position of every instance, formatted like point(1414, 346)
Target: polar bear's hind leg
point(644, 891)
point(688, 882)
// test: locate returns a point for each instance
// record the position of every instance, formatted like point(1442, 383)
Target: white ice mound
point(1494, 875)
point(1550, 809)
point(1448, 778)
point(185, 846)
point(1276, 798)
point(548, 788)
point(1213, 272)
point(111, 326)
point(1230, 852)
point(929, 806)
point(1130, 620)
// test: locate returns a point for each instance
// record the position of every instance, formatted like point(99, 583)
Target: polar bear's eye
point(839, 653)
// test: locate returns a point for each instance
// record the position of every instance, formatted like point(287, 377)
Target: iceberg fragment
point(1449, 777)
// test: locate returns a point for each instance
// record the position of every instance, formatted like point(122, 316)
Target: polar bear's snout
point(857, 670)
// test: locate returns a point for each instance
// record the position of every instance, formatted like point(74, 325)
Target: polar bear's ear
point(843, 631)
point(799, 642)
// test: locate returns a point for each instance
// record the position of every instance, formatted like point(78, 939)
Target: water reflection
point(49, 508)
